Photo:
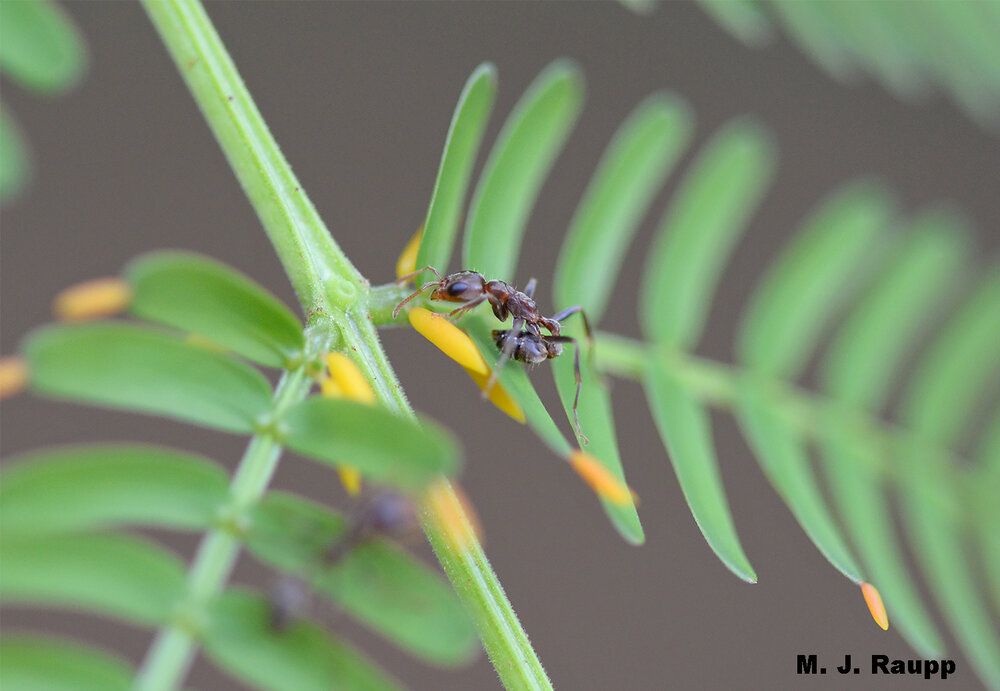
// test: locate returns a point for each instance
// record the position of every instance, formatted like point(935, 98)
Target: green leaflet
point(36, 663)
point(598, 423)
point(874, 340)
point(686, 431)
point(125, 366)
point(519, 162)
point(515, 380)
point(710, 209)
point(957, 367)
point(808, 25)
point(460, 148)
point(377, 582)
point(202, 296)
point(856, 487)
point(632, 170)
point(116, 575)
point(240, 640)
point(811, 279)
point(14, 161)
point(938, 545)
point(385, 447)
point(85, 487)
point(988, 479)
point(783, 457)
point(39, 46)
point(744, 19)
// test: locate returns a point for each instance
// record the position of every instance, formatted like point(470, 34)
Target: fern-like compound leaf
point(632, 170)
point(239, 638)
point(115, 575)
point(32, 662)
point(460, 148)
point(377, 583)
point(201, 296)
point(82, 488)
point(518, 164)
point(142, 370)
point(710, 209)
point(404, 453)
point(685, 427)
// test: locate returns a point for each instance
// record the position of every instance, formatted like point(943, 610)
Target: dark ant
point(384, 514)
point(524, 341)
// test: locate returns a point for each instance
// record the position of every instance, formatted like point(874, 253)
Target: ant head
point(461, 286)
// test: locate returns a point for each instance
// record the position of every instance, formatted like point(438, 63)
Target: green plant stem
point(173, 649)
point(335, 298)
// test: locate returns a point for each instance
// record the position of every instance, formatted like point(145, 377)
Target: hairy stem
point(335, 298)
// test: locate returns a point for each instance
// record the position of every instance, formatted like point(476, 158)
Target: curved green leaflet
point(711, 208)
point(124, 366)
point(516, 382)
point(39, 46)
point(519, 162)
point(686, 431)
point(115, 575)
point(812, 278)
point(874, 339)
point(85, 487)
point(744, 19)
point(938, 546)
point(598, 423)
point(988, 478)
point(957, 366)
point(782, 455)
point(383, 446)
point(460, 148)
point(35, 663)
point(808, 25)
point(632, 169)
point(239, 639)
point(202, 296)
point(857, 490)
point(14, 160)
point(377, 583)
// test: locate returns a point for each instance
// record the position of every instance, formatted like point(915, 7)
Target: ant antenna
point(407, 277)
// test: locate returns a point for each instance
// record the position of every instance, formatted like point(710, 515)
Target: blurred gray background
point(359, 96)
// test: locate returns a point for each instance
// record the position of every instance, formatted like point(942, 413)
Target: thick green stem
point(174, 647)
point(336, 300)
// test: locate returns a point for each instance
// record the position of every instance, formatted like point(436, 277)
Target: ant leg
point(586, 323)
point(509, 344)
point(529, 289)
point(407, 277)
point(457, 312)
point(418, 291)
point(579, 381)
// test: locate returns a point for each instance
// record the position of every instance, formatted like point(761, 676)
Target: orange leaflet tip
point(13, 375)
point(350, 478)
point(450, 339)
point(101, 297)
point(875, 606)
point(450, 516)
point(499, 396)
point(349, 379)
point(407, 262)
point(600, 479)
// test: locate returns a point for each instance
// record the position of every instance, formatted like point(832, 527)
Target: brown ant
point(524, 341)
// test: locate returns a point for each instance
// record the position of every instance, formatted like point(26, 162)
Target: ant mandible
point(524, 341)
